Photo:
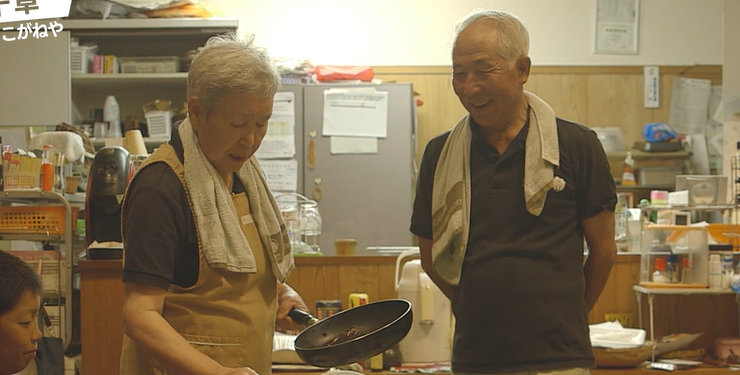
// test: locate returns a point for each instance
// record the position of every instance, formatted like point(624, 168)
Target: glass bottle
point(310, 225)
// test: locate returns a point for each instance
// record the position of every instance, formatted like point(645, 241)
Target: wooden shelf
point(150, 23)
point(645, 290)
point(178, 80)
point(642, 155)
point(645, 187)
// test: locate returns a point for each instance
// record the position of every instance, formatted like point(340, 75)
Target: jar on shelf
point(660, 275)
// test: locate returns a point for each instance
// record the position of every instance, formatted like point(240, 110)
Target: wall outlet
point(624, 318)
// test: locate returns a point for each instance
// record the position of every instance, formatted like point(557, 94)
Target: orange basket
point(34, 219)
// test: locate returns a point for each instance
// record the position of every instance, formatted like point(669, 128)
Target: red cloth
point(327, 73)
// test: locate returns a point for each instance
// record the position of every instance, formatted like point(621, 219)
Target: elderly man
point(503, 204)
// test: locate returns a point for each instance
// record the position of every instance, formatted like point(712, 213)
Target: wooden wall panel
point(596, 96)
point(322, 279)
point(336, 277)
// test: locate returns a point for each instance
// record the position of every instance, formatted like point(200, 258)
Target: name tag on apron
point(247, 219)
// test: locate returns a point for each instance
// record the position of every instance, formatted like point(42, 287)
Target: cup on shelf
point(346, 246)
point(134, 143)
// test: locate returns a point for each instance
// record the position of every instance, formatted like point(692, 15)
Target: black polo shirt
point(520, 305)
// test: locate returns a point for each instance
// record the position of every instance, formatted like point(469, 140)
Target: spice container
point(327, 308)
point(672, 269)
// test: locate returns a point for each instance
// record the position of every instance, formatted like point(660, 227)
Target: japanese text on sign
point(28, 10)
point(36, 31)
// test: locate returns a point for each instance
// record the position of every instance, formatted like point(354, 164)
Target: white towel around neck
point(451, 192)
point(223, 243)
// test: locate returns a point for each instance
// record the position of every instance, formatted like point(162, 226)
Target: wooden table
point(627, 371)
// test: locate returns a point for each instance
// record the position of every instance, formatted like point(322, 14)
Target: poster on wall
point(616, 26)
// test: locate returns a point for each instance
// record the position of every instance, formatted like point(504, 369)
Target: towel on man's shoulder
point(451, 193)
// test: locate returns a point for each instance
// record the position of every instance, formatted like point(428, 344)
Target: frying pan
point(354, 334)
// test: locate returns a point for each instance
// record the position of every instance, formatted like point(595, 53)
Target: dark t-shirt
point(520, 305)
point(161, 245)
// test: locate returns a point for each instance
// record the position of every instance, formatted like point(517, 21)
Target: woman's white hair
point(512, 35)
point(228, 64)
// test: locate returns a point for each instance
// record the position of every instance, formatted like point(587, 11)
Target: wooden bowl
point(622, 358)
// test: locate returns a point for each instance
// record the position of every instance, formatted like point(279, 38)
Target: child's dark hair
point(16, 277)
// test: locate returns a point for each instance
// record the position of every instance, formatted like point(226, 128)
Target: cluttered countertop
point(597, 371)
point(617, 350)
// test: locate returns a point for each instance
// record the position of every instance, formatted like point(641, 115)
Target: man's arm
point(143, 322)
point(599, 233)
point(425, 248)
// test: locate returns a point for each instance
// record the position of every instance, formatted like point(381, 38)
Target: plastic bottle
point(672, 270)
point(628, 174)
point(621, 228)
point(715, 271)
point(687, 276)
point(47, 168)
point(728, 269)
point(112, 114)
point(659, 276)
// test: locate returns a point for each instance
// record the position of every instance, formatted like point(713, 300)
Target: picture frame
point(617, 27)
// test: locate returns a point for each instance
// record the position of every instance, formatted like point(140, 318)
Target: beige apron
point(227, 316)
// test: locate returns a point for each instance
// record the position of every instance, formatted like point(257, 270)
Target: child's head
point(19, 305)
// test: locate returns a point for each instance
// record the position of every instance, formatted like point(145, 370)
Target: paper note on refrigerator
point(281, 175)
point(353, 145)
point(355, 113)
point(690, 105)
point(279, 142)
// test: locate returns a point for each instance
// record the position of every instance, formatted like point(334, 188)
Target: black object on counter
point(720, 247)
point(110, 173)
point(352, 335)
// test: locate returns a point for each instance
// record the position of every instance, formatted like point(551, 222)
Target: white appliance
point(430, 337)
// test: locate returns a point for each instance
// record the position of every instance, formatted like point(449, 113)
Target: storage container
point(723, 346)
point(151, 64)
point(664, 176)
point(81, 58)
point(658, 241)
point(159, 123)
point(33, 219)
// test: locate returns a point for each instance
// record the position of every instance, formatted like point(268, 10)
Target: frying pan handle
point(302, 317)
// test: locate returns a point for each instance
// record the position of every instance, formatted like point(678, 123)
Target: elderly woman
point(206, 251)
